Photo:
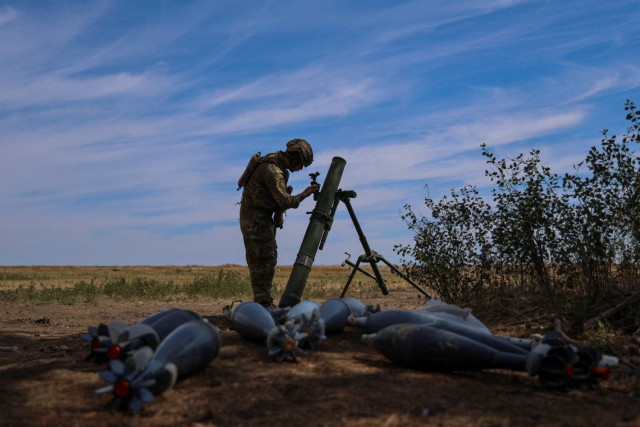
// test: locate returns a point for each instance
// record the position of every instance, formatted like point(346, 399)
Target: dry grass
point(67, 276)
point(323, 281)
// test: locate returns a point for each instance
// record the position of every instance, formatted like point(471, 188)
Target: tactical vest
point(259, 196)
point(255, 161)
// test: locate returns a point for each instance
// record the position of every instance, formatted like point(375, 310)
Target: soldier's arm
point(278, 189)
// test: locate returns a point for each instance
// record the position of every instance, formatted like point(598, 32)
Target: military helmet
point(302, 148)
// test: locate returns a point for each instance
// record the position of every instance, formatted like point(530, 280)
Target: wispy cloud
point(7, 15)
point(338, 101)
point(406, 24)
point(55, 89)
point(593, 82)
point(297, 82)
point(440, 155)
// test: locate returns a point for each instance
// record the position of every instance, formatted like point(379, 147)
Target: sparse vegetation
point(573, 240)
point(71, 285)
point(225, 284)
point(12, 276)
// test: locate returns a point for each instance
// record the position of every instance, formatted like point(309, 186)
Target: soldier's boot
point(264, 298)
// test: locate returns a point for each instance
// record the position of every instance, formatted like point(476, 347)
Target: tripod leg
point(411, 282)
point(356, 267)
point(365, 272)
point(365, 245)
point(379, 279)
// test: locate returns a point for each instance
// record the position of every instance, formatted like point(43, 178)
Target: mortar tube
point(319, 224)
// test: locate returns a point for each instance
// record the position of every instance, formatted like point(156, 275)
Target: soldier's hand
point(310, 190)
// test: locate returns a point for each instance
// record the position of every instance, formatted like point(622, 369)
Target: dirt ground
point(45, 380)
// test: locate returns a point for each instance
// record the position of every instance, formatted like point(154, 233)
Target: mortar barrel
point(320, 218)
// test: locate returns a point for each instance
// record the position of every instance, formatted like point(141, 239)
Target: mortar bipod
point(350, 263)
point(369, 256)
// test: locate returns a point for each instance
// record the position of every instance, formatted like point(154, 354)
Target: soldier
point(264, 199)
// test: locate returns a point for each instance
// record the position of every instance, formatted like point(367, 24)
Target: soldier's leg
point(262, 275)
point(261, 255)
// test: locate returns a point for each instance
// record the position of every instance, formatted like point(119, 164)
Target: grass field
point(88, 284)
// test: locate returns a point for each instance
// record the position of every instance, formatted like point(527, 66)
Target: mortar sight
point(314, 177)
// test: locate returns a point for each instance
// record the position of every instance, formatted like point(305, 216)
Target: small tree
point(452, 250)
point(603, 226)
point(541, 232)
point(529, 208)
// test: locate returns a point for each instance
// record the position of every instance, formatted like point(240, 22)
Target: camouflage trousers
point(261, 251)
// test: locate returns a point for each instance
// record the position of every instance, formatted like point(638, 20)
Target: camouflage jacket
point(267, 187)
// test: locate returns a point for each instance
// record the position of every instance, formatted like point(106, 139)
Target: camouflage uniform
point(265, 195)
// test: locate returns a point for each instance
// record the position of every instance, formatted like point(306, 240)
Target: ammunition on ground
point(101, 338)
point(307, 314)
point(254, 322)
point(304, 309)
point(319, 225)
point(186, 350)
point(378, 321)
point(336, 311)
point(454, 313)
point(560, 365)
point(424, 347)
point(122, 341)
point(280, 315)
point(557, 364)
point(358, 308)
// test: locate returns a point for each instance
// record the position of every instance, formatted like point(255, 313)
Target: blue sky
point(124, 126)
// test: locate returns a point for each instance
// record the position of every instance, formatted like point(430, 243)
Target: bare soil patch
point(46, 380)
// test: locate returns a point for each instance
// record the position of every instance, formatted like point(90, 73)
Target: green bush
point(554, 235)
